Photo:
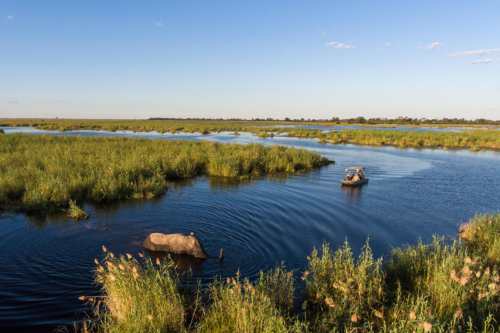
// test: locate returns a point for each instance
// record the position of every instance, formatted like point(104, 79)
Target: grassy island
point(439, 287)
point(474, 138)
point(45, 174)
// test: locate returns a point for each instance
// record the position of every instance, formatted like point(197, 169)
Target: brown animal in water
point(175, 243)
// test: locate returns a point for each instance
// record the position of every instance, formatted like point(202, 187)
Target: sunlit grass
point(44, 174)
point(238, 306)
point(438, 287)
point(344, 293)
point(76, 212)
point(140, 297)
point(473, 140)
point(479, 139)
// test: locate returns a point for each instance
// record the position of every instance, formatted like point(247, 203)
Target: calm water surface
point(47, 263)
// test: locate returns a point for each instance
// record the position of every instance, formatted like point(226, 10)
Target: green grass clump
point(140, 297)
point(76, 212)
point(439, 287)
point(482, 235)
point(45, 174)
point(279, 285)
point(473, 140)
point(238, 306)
point(343, 293)
point(457, 284)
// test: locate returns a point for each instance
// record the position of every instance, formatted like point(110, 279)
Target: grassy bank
point(161, 126)
point(471, 139)
point(437, 287)
point(43, 173)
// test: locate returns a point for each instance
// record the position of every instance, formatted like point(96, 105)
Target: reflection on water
point(221, 183)
point(353, 194)
point(47, 262)
point(183, 263)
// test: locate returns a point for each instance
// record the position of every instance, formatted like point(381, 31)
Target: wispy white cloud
point(339, 45)
point(8, 18)
point(475, 53)
point(387, 44)
point(483, 61)
point(159, 24)
point(434, 45)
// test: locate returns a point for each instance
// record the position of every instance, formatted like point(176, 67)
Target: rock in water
point(175, 243)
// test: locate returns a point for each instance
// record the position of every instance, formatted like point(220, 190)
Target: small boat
point(354, 176)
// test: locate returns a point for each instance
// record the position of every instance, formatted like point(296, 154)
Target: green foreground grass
point(438, 287)
point(50, 174)
point(479, 139)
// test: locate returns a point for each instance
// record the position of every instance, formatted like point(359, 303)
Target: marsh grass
point(140, 296)
point(444, 286)
point(473, 140)
point(46, 174)
point(482, 139)
point(279, 285)
point(343, 292)
point(238, 306)
point(482, 235)
point(76, 212)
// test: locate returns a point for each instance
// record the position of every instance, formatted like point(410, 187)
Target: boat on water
point(354, 176)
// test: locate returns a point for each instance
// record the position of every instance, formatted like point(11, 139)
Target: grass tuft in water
point(76, 212)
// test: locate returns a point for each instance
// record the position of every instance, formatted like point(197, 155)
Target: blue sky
point(311, 59)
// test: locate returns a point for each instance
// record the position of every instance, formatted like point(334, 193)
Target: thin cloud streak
point(434, 45)
point(482, 61)
point(339, 45)
point(475, 53)
point(159, 24)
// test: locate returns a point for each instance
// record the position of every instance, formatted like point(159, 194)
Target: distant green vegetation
point(439, 287)
point(161, 126)
point(474, 140)
point(479, 139)
point(46, 174)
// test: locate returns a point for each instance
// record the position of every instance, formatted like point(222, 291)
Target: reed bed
point(161, 126)
point(439, 287)
point(479, 139)
point(472, 140)
point(49, 174)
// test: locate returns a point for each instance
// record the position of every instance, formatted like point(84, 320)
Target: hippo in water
point(175, 243)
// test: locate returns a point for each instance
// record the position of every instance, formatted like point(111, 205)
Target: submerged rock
point(175, 243)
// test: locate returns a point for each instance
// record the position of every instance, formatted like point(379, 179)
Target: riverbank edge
point(439, 287)
point(473, 139)
point(133, 168)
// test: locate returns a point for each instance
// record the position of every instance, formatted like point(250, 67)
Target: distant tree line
point(357, 120)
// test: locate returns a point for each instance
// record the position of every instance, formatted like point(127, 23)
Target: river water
point(46, 263)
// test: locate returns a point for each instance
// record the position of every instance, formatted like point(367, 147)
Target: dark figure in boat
point(354, 176)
